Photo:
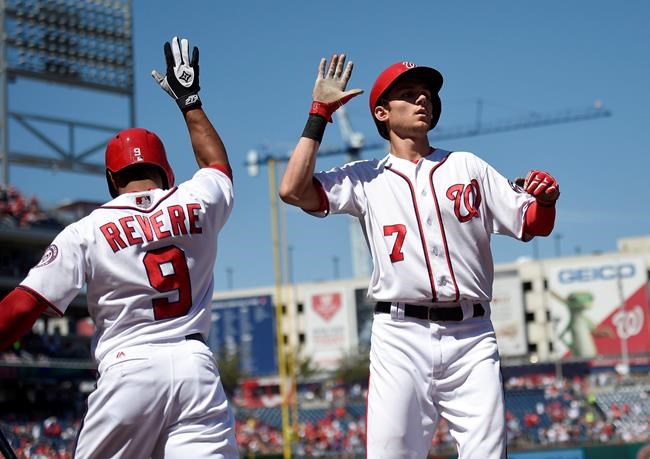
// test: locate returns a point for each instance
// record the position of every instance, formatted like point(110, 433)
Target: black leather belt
point(433, 313)
point(196, 337)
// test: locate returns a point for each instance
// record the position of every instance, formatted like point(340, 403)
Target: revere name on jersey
point(147, 259)
point(428, 223)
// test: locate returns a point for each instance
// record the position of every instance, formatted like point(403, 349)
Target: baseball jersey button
point(429, 221)
point(442, 281)
point(436, 251)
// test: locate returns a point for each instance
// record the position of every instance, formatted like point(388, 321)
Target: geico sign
point(597, 273)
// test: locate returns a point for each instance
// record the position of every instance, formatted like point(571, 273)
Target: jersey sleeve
point(213, 186)
point(343, 187)
point(60, 274)
point(505, 203)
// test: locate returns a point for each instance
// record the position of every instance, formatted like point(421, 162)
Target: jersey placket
point(434, 234)
point(409, 175)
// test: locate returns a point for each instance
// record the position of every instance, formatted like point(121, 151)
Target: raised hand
point(329, 91)
point(181, 80)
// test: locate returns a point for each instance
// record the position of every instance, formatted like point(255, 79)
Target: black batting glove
point(181, 80)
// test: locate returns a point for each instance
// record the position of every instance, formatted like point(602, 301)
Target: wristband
point(546, 203)
point(189, 102)
point(315, 127)
point(324, 110)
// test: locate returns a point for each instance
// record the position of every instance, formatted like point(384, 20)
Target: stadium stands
point(540, 411)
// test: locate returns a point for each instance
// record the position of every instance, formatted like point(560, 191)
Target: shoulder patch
point(515, 187)
point(49, 256)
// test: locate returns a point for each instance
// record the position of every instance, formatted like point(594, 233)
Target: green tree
point(229, 371)
point(354, 368)
point(305, 368)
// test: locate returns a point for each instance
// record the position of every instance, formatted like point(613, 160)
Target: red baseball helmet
point(391, 74)
point(137, 146)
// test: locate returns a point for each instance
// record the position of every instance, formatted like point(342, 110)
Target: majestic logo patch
point(48, 257)
point(327, 305)
point(143, 201)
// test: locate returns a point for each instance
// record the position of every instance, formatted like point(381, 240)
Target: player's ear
point(381, 113)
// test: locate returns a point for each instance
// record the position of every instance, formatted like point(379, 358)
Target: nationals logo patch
point(48, 257)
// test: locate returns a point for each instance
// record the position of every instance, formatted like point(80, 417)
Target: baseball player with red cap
point(428, 215)
point(147, 259)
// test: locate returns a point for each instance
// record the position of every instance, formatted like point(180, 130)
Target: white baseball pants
point(420, 370)
point(158, 401)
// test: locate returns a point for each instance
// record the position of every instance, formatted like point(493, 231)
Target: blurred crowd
point(331, 420)
point(541, 410)
point(18, 211)
point(604, 407)
point(51, 438)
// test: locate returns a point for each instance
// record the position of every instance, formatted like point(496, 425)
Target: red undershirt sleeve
point(539, 219)
point(223, 168)
point(18, 312)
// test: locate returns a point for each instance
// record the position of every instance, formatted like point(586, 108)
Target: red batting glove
point(329, 91)
point(543, 187)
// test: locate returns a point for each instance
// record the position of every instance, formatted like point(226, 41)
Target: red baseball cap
point(391, 74)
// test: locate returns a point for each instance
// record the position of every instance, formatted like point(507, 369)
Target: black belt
point(433, 313)
point(195, 336)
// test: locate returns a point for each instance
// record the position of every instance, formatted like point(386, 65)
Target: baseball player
point(147, 260)
point(428, 215)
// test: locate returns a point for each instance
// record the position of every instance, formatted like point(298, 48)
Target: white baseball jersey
point(147, 259)
point(428, 224)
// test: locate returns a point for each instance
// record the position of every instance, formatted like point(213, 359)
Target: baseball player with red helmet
point(428, 215)
point(147, 260)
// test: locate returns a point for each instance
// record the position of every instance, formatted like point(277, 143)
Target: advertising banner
point(574, 453)
point(330, 327)
point(508, 316)
point(598, 306)
point(246, 326)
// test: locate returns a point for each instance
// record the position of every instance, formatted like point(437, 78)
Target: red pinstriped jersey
point(428, 224)
point(146, 260)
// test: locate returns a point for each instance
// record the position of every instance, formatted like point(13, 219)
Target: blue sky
point(258, 64)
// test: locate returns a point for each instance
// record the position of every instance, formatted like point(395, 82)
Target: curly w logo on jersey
point(467, 196)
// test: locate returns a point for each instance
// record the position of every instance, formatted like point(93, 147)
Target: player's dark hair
point(139, 172)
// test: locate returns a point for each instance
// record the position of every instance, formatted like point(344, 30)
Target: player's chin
point(421, 126)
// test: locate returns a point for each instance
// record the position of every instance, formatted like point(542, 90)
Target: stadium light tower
point(84, 44)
